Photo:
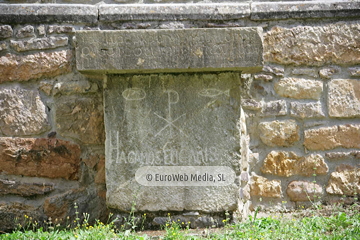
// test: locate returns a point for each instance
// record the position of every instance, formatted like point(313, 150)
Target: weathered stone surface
point(147, 12)
point(279, 133)
point(344, 98)
point(263, 187)
point(274, 108)
point(23, 68)
point(342, 155)
point(13, 213)
point(100, 171)
point(80, 117)
point(60, 29)
point(306, 110)
point(299, 88)
point(311, 72)
point(39, 157)
point(25, 32)
point(355, 71)
point(24, 189)
point(251, 104)
point(344, 181)
point(315, 46)
point(73, 83)
point(22, 112)
point(3, 46)
point(44, 13)
point(276, 70)
point(301, 191)
point(41, 30)
point(163, 120)
point(39, 43)
point(346, 136)
point(261, 10)
point(328, 72)
point(282, 163)
point(173, 50)
point(263, 77)
point(5, 31)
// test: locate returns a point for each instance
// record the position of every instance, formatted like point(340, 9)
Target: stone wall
point(302, 111)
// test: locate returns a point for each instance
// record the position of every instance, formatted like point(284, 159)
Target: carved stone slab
point(172, 120)
point(179, 50)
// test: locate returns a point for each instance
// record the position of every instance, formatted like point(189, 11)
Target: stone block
point(328, 72)
point(306, 110)
point(355, 71)
point(25, 32)
point(313, 45)
point(311, 72)
point(263, 77)
point(80, 117)
point(310, 165)
point(3, 46)
point(344, 181)
point(23, 68)
point(22, 112)
point(163, 120)
point(251, 104)
point(60, 29)
point(13, 212)
point(174, 50)
point(263, 187)
point(73, 83)
point(24, 189)
point(342, 155)
point(279, 133)
point(276, 70)
point(299, 88)
point(39, 43)
point(344, 98)
point(326, 138)
point(302, 191)
point(274, 108)
point(39, 157)
point(6, 31)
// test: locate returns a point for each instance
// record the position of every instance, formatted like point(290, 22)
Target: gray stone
point(24, 189)
point(301, 191)
point(5, 31)
point(274, 108)
point(264, 77)
point(284, 10)
point(251, 104)
point(173, 50)
point(39, 43)
point(25, 32)
point(25, 13)
point(306, 110)
point(355, 71)
point(3, 46)
point(72, 84)
point(60, 29)
point(41, 30)
point(326, 73)
point(277, 71)
point(201, 11)
point(171, 120)
point(311, 72)
point(22, 112)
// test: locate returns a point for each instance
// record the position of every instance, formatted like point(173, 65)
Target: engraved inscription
point(134, 94)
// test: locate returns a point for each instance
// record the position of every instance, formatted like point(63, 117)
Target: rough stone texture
point(23, 68)
point(60, 29)
point(263, 187)
point(201, 11)
point(299, 88)
point(24, 189)
point(41, 30)
point(306, 45)
point(39, 157)
point(3, 46)
point(5, 31)
point(301, 191)
point(317, 9)
point(73, 84)
point(44, 13)
point(326, 138)
point(342, 155)
point(279, 133)
point(344, 98)
point(355, 71)
point(172, 50)
point(328, 72)
point(22, 112)
point(344, 181)
point(80, 117)
point(306, 110)
point(163, 120)
point(263, 77)
point(274, 108)
point(25, 32)
point(251, 104)
point(311, 72)
point(276, 70)
point(39, 43)
point(282, 163)
point(100, 171)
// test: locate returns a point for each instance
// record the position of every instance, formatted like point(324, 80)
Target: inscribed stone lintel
point(174, 50)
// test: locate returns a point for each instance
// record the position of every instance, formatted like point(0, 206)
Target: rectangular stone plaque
point(175, 50)
point(169, 120)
